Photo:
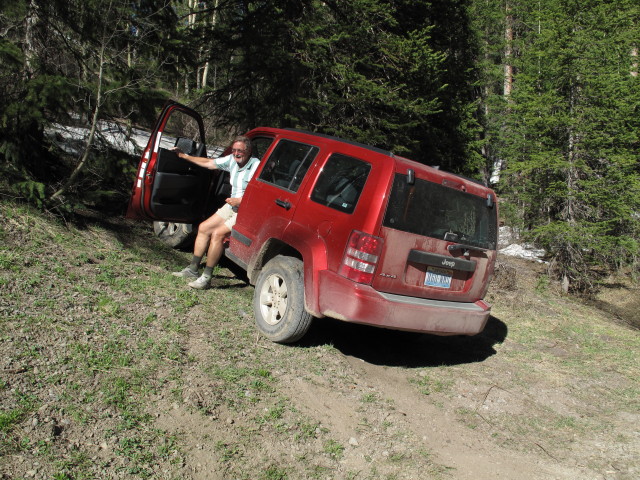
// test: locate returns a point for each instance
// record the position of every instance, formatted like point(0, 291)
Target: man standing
point(213, 232)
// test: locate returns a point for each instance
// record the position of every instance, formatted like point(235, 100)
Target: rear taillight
point(361, 257)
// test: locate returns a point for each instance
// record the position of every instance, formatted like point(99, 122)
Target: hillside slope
point(112, 368)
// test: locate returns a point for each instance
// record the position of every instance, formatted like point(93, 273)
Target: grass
point(121, 325)
point(333, 448)
point(113, 368)
point(428, 384)
point(108, 365)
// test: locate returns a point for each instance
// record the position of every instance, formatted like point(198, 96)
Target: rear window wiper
point(462, 246)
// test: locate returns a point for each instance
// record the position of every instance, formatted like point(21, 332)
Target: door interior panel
point(169, 162)
point(179, 188)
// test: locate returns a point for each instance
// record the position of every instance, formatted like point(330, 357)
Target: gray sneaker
point(186, 273)
point(201, 283)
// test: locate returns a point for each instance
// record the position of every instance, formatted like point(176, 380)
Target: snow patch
point(525, 251)
point(71, 139)
point(508, 245)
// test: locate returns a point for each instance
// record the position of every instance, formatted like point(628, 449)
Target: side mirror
point(186, 145)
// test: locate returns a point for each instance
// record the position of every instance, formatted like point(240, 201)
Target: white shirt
point(239, 177)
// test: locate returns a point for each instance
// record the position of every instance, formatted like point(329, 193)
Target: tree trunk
point(214, 21)
point(29, 39)
point(205, 74)
point(508, 53)
point(191, 19)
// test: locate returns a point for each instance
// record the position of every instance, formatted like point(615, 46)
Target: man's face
point(240, 153)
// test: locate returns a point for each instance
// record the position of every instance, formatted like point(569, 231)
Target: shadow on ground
point(620, 303)
point(134, 235)
point(405, 349)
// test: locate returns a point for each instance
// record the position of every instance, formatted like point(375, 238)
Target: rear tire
point(278, 301)
point(176, 235)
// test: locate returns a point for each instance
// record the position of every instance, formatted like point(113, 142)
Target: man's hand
point(234, 202)
point(205, 162)
point(177, 151)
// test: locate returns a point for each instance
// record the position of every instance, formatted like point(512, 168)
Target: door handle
point(283, 203)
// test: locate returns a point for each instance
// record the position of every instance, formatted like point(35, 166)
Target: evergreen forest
point(539, 99)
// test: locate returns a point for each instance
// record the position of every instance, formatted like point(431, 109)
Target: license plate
point(438, 277)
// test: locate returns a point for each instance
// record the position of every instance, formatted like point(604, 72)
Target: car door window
point(341, 182)
point(288, 164)
point(183, 131)
point(259, 146)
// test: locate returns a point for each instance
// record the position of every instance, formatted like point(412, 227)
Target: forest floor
point(112, 368)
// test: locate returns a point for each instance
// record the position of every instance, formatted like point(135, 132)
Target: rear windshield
point(432, 210)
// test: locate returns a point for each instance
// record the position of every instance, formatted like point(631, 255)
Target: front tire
point(176, 235)
point(278, 301)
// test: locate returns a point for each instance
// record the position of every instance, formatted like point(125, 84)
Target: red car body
point(379, 239)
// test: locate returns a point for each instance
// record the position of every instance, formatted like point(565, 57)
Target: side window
point(259, 146)
point(341, 182)
point(288, 164)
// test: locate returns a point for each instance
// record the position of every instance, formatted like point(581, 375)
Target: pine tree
point(395, 74)
point(571, 139)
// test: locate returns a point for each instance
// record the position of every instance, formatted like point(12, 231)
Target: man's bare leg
point(202, 242)
point(205, 232)
point(217, 237)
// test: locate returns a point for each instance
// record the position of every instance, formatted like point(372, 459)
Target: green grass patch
point(333, 449)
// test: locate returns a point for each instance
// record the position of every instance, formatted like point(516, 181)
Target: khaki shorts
point(228, 215)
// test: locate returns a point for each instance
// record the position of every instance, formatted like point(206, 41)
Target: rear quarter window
point(341, 182)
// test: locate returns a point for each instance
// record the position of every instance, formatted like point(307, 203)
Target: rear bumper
point(352, 302)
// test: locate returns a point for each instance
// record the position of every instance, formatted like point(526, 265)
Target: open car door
point(167, 187)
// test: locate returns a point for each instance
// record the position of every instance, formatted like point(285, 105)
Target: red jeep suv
point(333, 228)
